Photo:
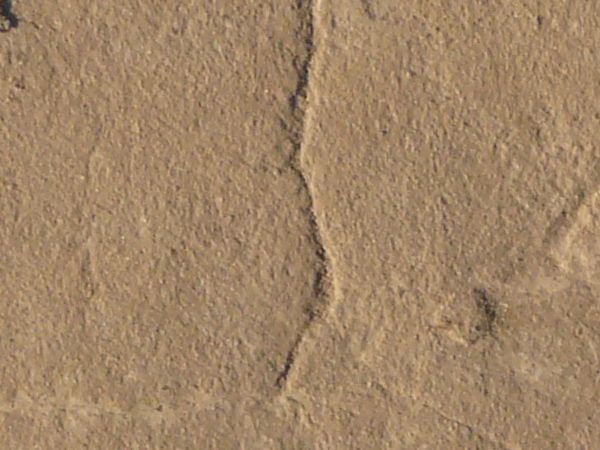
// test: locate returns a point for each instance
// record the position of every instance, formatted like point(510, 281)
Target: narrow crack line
point(297, 129)
point(88, 216)
point(460, 423)
point(142, 411)
point(289, 360)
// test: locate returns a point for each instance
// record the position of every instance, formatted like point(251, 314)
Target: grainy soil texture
point(300, 224)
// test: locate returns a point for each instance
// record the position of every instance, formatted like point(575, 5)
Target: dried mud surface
point(299, 224)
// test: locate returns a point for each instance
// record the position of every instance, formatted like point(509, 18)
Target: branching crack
point(296, 128)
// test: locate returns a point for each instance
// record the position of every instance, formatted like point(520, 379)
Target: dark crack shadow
point(489, 311)
point(289, 362)
point(8, 19)
point(296, 129)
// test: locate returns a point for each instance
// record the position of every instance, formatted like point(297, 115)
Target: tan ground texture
point(287, 224)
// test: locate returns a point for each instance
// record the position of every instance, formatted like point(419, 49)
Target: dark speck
point(540, 21)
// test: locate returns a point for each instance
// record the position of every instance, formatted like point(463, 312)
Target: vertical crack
point(297, 129)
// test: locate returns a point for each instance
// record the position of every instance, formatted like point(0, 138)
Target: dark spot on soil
point(488, 309)
point(8, 18)
point(540, 22)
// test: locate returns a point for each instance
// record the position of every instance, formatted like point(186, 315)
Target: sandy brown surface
point(287, 224)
